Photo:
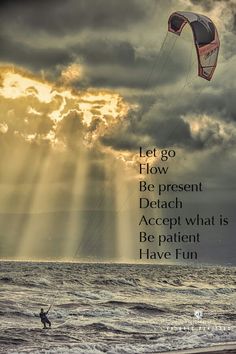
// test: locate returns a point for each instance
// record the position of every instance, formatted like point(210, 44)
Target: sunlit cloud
point(98, 110)
point(3, 128)
point(211, 131)
point(15, 85)
point(72, 73)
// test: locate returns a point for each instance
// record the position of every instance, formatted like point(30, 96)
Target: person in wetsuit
point(44, 319)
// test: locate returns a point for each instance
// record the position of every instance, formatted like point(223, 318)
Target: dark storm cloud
point(123, 138)
point(168, 131)
point(113, 62)
point(60, 17)
point(133, 77)
point(108, 63)
point(152, 130)
point(119, 64)
point(105, 51)
point(173, 129)
point(221, 105)
point(24, 24)
point(94, 53)
point(34, 58)
point(28, 30)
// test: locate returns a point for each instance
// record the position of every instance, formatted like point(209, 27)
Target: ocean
point(115, 308)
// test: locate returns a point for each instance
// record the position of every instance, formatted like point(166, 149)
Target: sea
point(115, 308)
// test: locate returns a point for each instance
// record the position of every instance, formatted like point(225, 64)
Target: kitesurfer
point(44, 319)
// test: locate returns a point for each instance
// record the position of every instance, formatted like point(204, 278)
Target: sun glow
point(96, 109)
point(72, 73)
point(15, 85)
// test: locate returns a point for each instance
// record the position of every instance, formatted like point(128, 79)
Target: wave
point(26, 281)
point(173, 282)
point(101, 327)
point(121, 281)
point(226, 316)
point(113, 309)
point(69, 305)
point(118, 302)
point(7, 280)
point(145, 308)
point(142, 307)
point(85, 295)
point(11, 340)
point(20, 313)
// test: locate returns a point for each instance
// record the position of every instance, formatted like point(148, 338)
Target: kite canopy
point(205, 37)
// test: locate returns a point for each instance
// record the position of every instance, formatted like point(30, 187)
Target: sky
point(84, 84)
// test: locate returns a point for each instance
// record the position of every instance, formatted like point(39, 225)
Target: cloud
point(153, 130)
point(104, 63)
point(110, 55)
point(31, 57)
point(209, 5)
point(120, 60)
point(59, 17)
point(40, 113)
point(210, 132)
point(167, 119)
point(122, 64)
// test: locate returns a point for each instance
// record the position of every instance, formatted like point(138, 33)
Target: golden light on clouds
point(15, 85)
point(26, 97)
point(3, 128)
point(201, 124)
point(72, 73)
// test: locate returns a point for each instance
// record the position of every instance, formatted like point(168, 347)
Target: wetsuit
point(44, 319)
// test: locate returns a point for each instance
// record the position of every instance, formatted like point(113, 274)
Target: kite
point(205, 36)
